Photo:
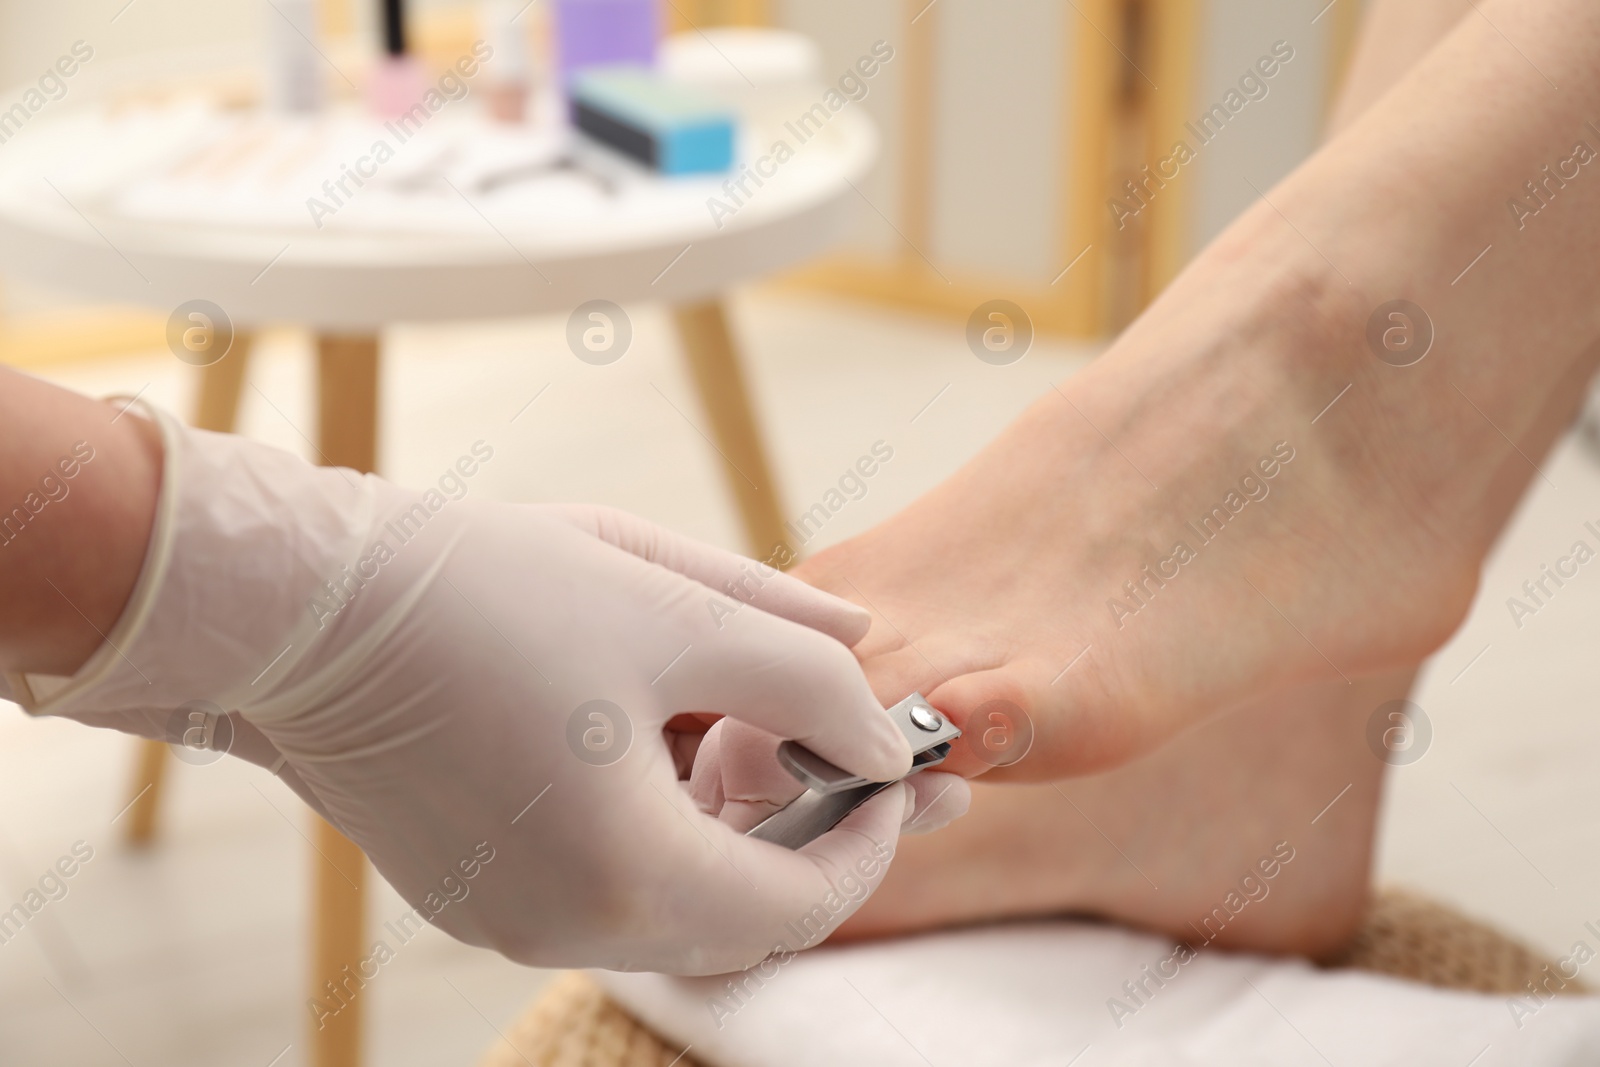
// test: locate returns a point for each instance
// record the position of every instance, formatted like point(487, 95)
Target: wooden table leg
point(347, 407)
point(338, 918)
point(221, 385)
point(714, 362)
point(216, 408)
point(149, 771)
point(347, 419)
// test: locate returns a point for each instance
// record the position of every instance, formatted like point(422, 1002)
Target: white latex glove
point(437, 709)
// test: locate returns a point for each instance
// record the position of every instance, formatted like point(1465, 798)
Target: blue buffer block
point(668, 127)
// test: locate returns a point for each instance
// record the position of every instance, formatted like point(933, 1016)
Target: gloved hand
point(429, 669)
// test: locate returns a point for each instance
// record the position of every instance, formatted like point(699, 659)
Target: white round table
point(159, 204)
point(162, 198)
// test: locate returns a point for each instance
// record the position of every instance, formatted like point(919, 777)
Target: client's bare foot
point(1188, 522)
point(1160, 843)
point(1253, 831)
point(1360, 553)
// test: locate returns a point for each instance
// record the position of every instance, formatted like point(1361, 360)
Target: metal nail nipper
point(832, 793)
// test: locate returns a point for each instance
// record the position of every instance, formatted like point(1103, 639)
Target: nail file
point(672, 128)
point(832, 793)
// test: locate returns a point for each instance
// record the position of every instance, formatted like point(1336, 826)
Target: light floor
point(193, 953)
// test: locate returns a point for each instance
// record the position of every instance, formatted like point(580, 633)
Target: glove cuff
point(244, 536)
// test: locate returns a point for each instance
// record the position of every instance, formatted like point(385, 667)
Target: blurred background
point(849, 302)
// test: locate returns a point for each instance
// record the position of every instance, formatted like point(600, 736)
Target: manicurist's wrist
point(76, 535)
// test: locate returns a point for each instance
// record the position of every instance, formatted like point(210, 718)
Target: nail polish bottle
point(508, 73)
point(397, 81)
point(595, 32)
point(294, 71)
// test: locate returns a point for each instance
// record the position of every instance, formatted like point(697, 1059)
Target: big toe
point(1021, 722)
